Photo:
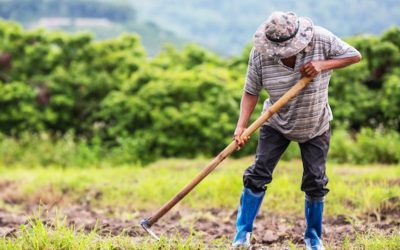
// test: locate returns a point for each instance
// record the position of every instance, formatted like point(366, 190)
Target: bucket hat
point(283, 35)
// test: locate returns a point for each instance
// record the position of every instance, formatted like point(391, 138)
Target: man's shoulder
point(257, 55)
point(322, 34)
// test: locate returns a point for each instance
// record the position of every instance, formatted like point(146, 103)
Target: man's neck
point(289, 61)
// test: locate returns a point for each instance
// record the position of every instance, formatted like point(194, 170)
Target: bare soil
point(212, 226)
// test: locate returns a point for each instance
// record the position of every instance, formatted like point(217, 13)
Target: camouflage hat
point(283, 35)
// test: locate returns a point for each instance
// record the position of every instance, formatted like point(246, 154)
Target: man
point(285, 49)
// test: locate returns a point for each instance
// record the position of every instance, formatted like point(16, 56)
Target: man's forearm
point(339, 63)
point(247, 106)
point(313, 68)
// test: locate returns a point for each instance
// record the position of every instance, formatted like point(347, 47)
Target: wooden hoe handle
point(301, 84)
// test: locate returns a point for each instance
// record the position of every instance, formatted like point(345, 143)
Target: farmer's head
point(283, 35)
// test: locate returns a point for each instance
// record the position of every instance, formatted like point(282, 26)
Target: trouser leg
point(314, 153)
point(271, 145)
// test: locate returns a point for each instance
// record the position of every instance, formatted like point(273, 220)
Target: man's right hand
point(241, 141)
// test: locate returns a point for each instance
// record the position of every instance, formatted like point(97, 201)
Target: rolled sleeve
point(340, 49)
point(253, 84)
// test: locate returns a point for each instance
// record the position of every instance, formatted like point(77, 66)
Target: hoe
point(150, 221)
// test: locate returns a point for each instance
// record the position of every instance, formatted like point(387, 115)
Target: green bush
point(342, 146)
point(377, 146)
point(43, 150)
point(109, 98)
point(368, 146)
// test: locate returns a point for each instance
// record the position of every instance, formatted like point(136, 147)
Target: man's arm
point(247, 106)
point(313, 68)
point(252, 88)
point(338, 54)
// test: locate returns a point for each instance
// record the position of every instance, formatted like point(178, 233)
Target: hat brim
point(288, 48)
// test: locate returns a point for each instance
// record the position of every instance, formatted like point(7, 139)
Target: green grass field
point(359, 194)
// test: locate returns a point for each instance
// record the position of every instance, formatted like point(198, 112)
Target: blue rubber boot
point(313, 212)
point(250, 203)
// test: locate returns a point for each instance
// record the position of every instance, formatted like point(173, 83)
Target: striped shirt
point(308, 114)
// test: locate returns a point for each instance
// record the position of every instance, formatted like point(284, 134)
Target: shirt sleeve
point(340, 49)
point(253, 84)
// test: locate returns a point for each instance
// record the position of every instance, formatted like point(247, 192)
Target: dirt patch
point(210, 226)
point(10, 222)
point(8, 192)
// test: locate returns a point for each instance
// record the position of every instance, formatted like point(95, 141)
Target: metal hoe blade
point(146, 226)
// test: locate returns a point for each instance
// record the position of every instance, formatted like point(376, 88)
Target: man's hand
point(237, 137)
point(247, 105)
point(312, 69)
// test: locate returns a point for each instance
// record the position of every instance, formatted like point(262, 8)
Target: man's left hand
point(312, 69)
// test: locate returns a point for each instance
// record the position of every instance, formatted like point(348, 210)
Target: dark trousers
point(271, 146)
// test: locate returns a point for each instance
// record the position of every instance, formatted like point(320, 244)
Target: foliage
point(366, 94)
point(368, 146)
point(108, 96)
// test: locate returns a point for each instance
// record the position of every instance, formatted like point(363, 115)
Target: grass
point(355, 190)
point(37, 236)
point(376, 242)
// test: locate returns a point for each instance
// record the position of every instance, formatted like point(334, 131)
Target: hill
point(226, 26)
point(105, 19)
